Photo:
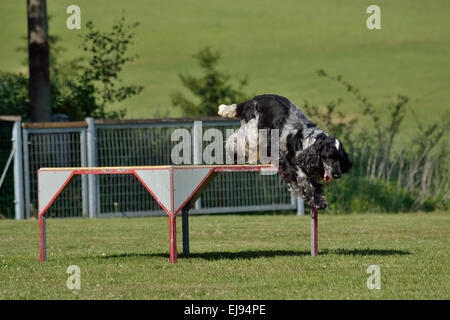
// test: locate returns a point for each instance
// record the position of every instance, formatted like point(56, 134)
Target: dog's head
point(326, 158)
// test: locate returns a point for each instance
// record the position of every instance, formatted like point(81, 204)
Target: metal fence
point(128, 143)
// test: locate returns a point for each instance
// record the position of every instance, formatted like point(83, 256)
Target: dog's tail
point(228, 111)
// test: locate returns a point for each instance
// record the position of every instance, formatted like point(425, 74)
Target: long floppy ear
point(344, 160)
point(309, 160)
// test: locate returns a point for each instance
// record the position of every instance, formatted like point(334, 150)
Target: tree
point(212, 89)
point(84, 87)
point(81, 87)
point(38, 56)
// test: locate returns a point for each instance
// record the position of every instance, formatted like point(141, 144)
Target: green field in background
point(279, 45)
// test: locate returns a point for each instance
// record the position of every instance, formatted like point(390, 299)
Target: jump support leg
point(185, 228)
point(314, 232)
point(173, 239)
point(42, 238)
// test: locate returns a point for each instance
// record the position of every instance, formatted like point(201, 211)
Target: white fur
point(338, 144)
point(227, 111)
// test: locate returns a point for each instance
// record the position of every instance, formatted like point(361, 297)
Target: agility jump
point(175, 188)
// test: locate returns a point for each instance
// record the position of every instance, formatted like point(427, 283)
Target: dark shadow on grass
point(247, 255)
point(212, 256)
point(364, 252)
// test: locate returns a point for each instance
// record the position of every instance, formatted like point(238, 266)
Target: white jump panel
point(185, 182)
point(54, 182)
point(158, 183)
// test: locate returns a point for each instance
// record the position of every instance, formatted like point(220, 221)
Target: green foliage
point(212, 88)
point(14, 94)
point(83, 86)
point(388, 175)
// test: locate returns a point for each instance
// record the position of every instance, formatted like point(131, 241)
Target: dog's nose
point(336, 175)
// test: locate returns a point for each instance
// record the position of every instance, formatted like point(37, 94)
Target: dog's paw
point(321, 205)
point(319, 201)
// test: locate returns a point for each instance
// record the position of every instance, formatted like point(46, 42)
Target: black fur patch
point(294, 144)
point(272, 109)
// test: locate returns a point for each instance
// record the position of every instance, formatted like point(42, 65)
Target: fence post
point(197, 141)
point(18, 171)
point(84, 178)
point(298, 203)
point(300, 207)
point(26, 173)
point(92, 159)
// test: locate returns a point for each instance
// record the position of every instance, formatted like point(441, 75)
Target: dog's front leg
point(310, 192)
point(306, 190)
point(319, 198)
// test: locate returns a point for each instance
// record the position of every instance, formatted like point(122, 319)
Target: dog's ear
point(344, 160)
point(309, 160)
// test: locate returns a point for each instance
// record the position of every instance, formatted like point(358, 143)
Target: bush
point(212, 89)
point(387, 176)
point(14, 97)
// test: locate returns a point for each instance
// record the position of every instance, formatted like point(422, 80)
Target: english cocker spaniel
point(307, 155)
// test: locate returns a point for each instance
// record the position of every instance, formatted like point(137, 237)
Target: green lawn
point(232, 257)
point(278, 44)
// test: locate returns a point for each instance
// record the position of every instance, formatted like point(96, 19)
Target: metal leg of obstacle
point(314, 232)
point(173, 239)
point(43, 238)
point(185, 229)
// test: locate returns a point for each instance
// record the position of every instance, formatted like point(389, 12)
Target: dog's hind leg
point(236, 148)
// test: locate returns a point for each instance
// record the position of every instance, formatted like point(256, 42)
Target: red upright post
point(173, 239)
point(314, 232)
point(42, 238)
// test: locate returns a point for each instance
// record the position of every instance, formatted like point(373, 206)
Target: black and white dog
point(307, 156)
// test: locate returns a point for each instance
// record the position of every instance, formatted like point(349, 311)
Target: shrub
point(83, 86)
point(386, 176)
point(212, 88)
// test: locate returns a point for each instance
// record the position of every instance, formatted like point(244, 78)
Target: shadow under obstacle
point(254, 254)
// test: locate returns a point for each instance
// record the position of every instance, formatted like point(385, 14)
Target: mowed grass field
point(232, 257)
point(278, 44)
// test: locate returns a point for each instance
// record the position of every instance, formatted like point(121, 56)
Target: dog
point(307, 155)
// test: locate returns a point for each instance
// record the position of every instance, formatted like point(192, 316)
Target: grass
point(279, 45)
point(232, 257)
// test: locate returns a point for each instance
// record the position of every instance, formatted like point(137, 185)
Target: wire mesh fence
point(54, 148)
point(130, 146)
point(136, 144)
point(242, 189)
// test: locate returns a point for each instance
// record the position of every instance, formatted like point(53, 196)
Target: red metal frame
point(314, 232)
point(171, 210)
